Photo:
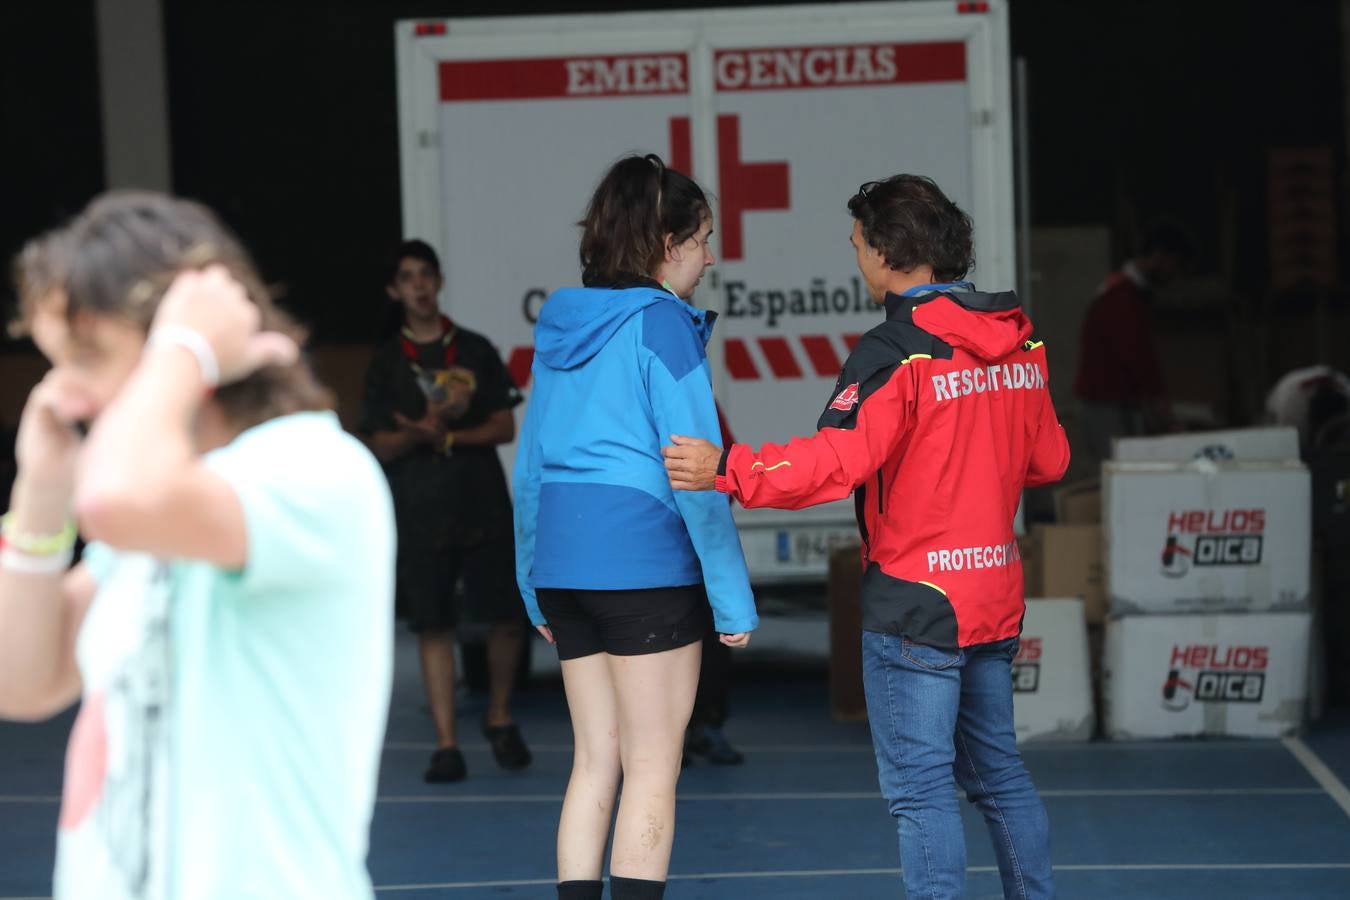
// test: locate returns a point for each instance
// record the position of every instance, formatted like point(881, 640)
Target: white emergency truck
point(507, 124)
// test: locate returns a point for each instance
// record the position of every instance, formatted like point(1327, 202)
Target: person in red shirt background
point(1120, 383)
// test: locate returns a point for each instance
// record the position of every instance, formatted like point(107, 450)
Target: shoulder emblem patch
point(847, 399)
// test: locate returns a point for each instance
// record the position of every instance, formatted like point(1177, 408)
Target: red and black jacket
point(940, 418)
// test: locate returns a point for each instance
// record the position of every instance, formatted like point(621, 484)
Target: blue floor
point(801, 818)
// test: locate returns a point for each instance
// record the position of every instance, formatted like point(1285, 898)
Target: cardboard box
point(1066, 561)
point(1238, 445)
point(1216, 675)
point(1207, 537)
point(1052, 688)
point(1079, 502)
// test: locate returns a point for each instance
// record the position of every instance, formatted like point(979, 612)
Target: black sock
point(580, 890)
point(635, 889)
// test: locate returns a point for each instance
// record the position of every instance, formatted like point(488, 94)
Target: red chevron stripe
point(779, 355)
point(519, 365)
point(739, 363)
point(820, 350)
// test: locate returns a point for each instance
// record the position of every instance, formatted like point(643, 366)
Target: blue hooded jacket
point(616, 372)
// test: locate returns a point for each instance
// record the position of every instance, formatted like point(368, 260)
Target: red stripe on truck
point(681, 146)
point(564, 77)
point(779, 355)
point(739, 364)
point(519, 363)
point(820, 349)
point(842, 66)
point(750, 69)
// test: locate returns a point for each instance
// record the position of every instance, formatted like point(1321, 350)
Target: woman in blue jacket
point(616, 569)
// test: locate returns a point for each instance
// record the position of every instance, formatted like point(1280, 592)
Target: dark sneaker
point(447, 765)
point(709, 741)
point(507, 746)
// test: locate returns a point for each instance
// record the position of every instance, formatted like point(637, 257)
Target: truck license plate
point(811, 546)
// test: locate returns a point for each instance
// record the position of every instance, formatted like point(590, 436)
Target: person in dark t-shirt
point(438, 402)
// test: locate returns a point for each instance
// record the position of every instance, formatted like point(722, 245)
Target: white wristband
point(194, 343)
point(12, 560)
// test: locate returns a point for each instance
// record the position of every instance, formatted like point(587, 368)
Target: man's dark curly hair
point(912, 223)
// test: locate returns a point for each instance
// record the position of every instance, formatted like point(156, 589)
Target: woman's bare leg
point(588, 807)
point(655, 698)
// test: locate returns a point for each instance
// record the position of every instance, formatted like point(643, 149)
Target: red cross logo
point(745, 186)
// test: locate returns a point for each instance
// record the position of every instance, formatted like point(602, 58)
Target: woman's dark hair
point(413, 249)
point(119, 256)
point(912, 223)
point(636, 204)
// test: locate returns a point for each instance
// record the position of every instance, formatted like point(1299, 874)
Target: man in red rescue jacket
point(940, 418)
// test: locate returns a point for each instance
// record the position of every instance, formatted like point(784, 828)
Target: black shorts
point(429, 586)
point(625, 623)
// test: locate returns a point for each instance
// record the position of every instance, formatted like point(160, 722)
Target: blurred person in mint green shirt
point(229, 630)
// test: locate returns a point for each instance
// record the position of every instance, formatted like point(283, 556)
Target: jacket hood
point(989, 326)
point(576, 323)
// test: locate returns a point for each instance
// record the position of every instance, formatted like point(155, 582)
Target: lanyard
point(448, 335)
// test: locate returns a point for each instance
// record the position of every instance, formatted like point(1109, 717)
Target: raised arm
point(142, 485)
point(42, 600)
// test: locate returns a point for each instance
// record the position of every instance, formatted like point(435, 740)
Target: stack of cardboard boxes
point(1206, 543)
point(1172, 595)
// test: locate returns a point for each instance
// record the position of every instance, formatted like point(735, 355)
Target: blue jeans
point(940, 718)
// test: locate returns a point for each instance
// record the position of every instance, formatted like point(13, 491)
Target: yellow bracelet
point(448, 444)
point(37, 544)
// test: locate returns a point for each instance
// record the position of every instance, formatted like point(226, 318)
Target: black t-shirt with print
point(443, 501)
